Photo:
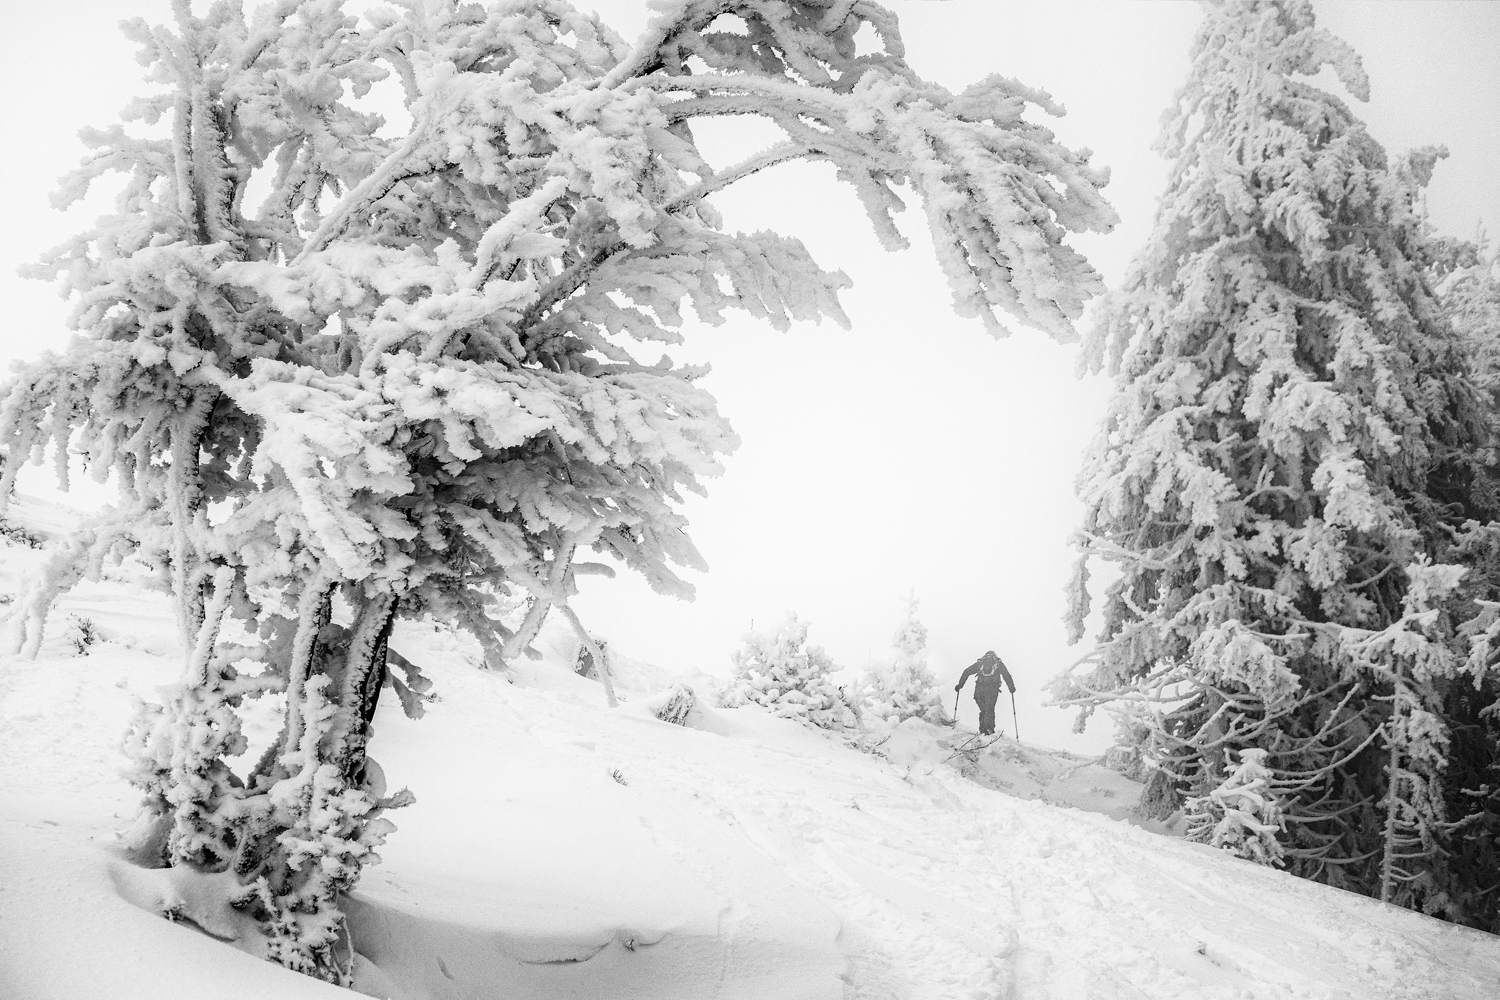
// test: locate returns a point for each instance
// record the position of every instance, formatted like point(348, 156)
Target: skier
point(989, 668)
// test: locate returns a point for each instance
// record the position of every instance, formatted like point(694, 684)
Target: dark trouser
point(986, 717)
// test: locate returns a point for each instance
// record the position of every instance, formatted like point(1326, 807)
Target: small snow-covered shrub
point(904, 688)
point(18, 535)
point(776, 669)
point(81, 634)
point(1243, 814)
point(183, 768)
point(675, 707)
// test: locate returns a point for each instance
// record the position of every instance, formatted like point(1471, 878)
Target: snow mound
point(1015, 768)
point(556, 651)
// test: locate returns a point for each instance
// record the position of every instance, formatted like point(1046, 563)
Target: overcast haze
point(912, 452)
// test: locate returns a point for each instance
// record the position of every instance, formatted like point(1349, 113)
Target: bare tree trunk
point(322, 799)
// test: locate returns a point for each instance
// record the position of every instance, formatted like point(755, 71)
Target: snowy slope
point(560, 849)
point(1020, 770)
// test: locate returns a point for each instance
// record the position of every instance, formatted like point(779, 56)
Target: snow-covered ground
point(561, 849)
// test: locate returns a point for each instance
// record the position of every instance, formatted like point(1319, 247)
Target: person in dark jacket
point(987, 671)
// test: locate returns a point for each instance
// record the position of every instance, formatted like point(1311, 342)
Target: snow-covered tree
point(1468, 286)
point(1466, 276)
point(904, 687)
point(1291, 477)
point(345, 374)
point(1242, 815)
point(776, 669)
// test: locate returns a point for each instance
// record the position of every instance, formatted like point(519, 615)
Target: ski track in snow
point(743, 857)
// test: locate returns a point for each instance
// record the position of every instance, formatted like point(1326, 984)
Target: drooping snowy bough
point(1293, 482)
point(345, 376)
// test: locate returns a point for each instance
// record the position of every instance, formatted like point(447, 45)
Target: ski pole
point(955, 706)
point(1013, 721)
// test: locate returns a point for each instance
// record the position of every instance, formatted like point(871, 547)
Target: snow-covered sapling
point(1243, 814)
point(81, 633)
point(18, 535)
point(904, 687)
point(776, 669)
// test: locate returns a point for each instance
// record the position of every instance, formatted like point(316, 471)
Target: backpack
point(987, 668)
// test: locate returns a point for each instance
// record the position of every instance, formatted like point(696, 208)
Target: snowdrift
point(1018, 769)
point(560, 849)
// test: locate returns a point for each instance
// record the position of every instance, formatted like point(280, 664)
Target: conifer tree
point(904, 688)
point(1242, 815)
point(776, 669)
point(1467, 281)
point(1291, 476)
point(345, 376)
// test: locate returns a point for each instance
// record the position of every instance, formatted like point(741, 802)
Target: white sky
point(914, 451)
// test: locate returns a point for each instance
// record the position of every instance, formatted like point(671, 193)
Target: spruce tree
point(904, 687)
point(1466, 276)
point(1291, 476)
point(345, 376)
point(1242, 815)
point(776, 669)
